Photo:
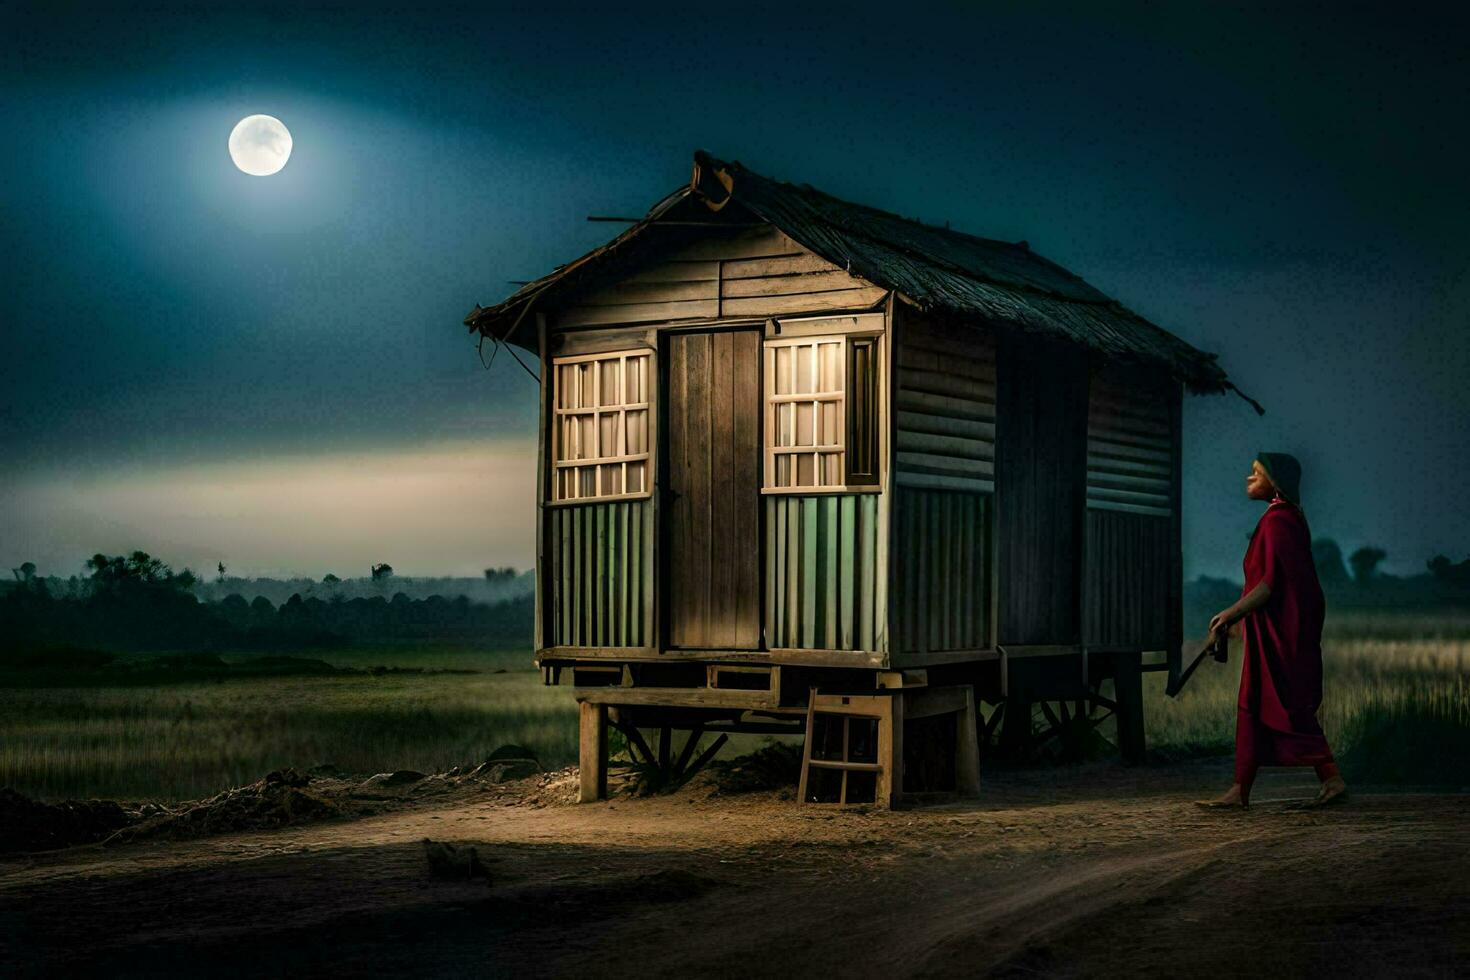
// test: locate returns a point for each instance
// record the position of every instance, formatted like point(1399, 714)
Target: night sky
point(272, 372)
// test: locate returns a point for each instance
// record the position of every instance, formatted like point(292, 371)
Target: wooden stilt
point(1128, 691)
point(890, 752)
point(967, 748)
point(592, 752)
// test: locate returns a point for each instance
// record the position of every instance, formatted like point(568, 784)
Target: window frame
point(847, 339)
point(648, 406)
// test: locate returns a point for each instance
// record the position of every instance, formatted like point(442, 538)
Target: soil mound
point(30, 825)
point(280, 799)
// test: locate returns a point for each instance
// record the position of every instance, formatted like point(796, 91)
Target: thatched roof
point(932, 268)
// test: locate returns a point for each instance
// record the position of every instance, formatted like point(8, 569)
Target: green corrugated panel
point(601, 559)
point(831, 555)
point(791, 634)
point(850, 601)
point(866, 585)
point(821, 571)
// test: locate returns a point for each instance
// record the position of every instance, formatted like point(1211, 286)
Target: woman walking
point(1281, 609)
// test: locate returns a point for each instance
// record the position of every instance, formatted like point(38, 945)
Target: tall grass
point(1395, 709)
point(190, 740)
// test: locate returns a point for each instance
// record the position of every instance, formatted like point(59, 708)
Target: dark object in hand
point(1220, 649)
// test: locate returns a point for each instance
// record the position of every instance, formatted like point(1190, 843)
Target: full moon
point(260, 145)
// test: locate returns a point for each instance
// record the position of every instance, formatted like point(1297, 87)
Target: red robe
point(1281, 672)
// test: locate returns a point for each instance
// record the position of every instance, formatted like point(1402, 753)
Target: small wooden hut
point(807, 466)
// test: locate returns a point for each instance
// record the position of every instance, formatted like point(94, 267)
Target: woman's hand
point(1222, 621)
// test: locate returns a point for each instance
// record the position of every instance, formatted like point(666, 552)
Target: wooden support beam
point(592, 752)
point(708, 754)
point(684, 697)
point(890, 754)
point(967, 747)
point(993, 722)
point(928, 701)
point(689, 745)
point(1128, 690)
point(635, 738)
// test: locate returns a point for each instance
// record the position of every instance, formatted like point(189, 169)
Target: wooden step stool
point(867, 757)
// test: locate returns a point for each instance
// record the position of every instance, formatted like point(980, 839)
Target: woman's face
point(1258, 485)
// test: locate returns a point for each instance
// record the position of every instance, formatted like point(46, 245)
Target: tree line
point(137, 602)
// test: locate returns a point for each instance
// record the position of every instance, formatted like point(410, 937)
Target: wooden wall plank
point(748, 243)
point(945, 402)
point(698, 309)
point(810, 282)
point(676, 270)
point(1130, 438)
point(721, 573)
point(786, 265)
point(748, 434)
point(836, 299)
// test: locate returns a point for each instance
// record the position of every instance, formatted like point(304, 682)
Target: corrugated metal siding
point(1040, 452)
point(941, 547)
point(1129, 444)
point(945, 436)
point(822, 588)
point(1127, 580)
point(601, 564)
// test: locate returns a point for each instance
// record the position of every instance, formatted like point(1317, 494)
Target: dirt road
point(1097, 871)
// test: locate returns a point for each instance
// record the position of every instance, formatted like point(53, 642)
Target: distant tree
point(1327, 556)
point(221, 567)
point(137, 569)
point(26, 572)
point(382, 571)
point(330, 579)
point(1365, 563)
point(500, 576)
point(1453, 573)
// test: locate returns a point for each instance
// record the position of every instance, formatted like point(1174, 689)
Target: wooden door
point(712, 494)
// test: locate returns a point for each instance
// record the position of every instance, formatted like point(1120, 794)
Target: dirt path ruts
point(1097, 872)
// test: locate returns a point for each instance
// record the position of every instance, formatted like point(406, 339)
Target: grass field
point(185, 740)
point(1397, 710)
point(1396, 700)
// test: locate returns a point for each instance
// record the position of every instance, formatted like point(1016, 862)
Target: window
point(822, 398)
point(600, 439)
